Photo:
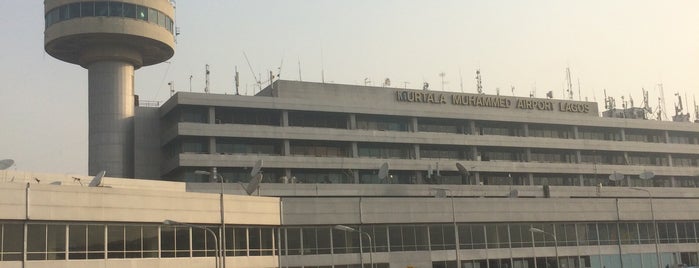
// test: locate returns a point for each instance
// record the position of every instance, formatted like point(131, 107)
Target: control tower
point(110, 39)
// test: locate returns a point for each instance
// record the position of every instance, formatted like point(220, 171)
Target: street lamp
point(348, 229)
point(218, 250)
point(555, 241)
point(441, 192)
point(223, 223)
point(655, 226)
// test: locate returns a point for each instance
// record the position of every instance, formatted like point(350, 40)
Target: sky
point(620, 46)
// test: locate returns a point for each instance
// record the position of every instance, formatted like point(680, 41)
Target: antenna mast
point(237, 81)
point(579, 94)
point(569, 84)
point(461, 81)
point(172, 87)
point(299, 60)
point(259, 83)
point(479, 81)
point(696, 110)
point(442, 75)
point(190, 82)
point(661, 105)
point(206, 87)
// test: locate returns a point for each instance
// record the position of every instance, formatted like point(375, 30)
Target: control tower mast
point(110, 39)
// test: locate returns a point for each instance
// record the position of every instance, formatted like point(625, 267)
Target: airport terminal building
point(530, 165)
point(352, 176)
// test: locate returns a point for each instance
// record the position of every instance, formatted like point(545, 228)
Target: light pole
point(442, 192)
point(555, 241)
point(371, 248)
point(218, 250)
point(215, 174)
point(655, 226)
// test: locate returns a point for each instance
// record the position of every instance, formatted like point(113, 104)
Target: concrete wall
point(147, 143)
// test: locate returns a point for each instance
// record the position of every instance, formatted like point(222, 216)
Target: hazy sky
point(620, 46)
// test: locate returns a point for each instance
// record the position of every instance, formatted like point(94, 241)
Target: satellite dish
point(646, 175)
point(616, 176)
point(513, 194)
point(254, 184)
point(97, 180)
point(256, 169)
point(462, 169)
point(383, 171)
point(57, 183)
point(6, 163)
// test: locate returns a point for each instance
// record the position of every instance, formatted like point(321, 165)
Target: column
point(212, 115)
point(525, 128)
point(285, 118)
point(416, 149)
point(352, 121)
point(622, 132)
point(576, 134)
point(212, 145)
point(286, 149)
point(413, 124)
point(355, 150)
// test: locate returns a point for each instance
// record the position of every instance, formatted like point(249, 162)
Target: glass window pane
point(56, 242)
point(152, 15)
point(161, 19)
point(74, 10)
point(115, 241)
point(129, 10)
point(101, 9)
point(36, 241)
point(133, 238)
point(142, 13)
point(13, 237)
point(64, 15)
point(87, 9)
point(116, 9)
point(77, 242)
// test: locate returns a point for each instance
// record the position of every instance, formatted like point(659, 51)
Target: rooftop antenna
point(532, 93)
point(513, 90)
point(405, 84)
point(696, 110)
point(497, 91)
point(425, 86)
point(569, 84)
point(387, 82)
point(661, 105)
point(322, 66)
point(190, 82)
point(479, 81)
point(6, 163)
point(299, 61)
point(678, 107)
point(631, 100)
point(579, 90)
point(623, 103)
point(259, 83)
point(442, 75)
point(237, 81)
point(279, 70)
point(172, 87)
point(206, 87)
point(367, 81)
point(606, 100)
point(461, 81)
point(646, 104)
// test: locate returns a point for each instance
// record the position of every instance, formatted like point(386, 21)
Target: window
point(73, 10)
point(142, 13)
point(11, 246)
point(85, 242)
point(129, 10)
point(101, 8)
point(152, 16)
point(46, 242)
point(116, 9)
point(87, 9)
point(174, 241)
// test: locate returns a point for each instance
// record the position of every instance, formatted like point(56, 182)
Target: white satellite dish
point(256, 169)
point(97, 180)
point(6, 163)
point(513, 194)
point(616, 176)
point(383, 171)
point(462, 169)
point(253, 184)
point(646, 175)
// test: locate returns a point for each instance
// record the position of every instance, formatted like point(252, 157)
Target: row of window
point(395, 123)
point(108, 9)
point(642, 260)
point(114, 241)
point(100, 241)
point(409, 151)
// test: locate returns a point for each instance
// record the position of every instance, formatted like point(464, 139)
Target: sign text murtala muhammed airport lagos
point(493, 101)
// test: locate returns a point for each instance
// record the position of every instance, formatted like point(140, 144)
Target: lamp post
point(218, 250)
point(215, 174)
point(442, 192)
point(352, 230)
point(655, 226)
point(555, 241)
